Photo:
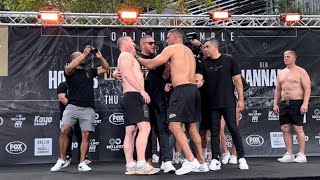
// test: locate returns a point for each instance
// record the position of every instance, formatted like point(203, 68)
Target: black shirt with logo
point(80, 84)
point(218, 84)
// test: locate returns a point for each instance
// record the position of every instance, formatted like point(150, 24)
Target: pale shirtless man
point(184, 103)
point(135, 110)
point(293, 89)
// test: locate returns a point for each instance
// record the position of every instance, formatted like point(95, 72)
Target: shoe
point(59, 165)
point(87, 161)
point(301, 158)
point(83, 167)
point(233, 160)
point(188, 167)
point(286, 158)
point(203, 168)
point(131, 170)
point(178, 160)
point(214, 165)
point(162, 166)
point(155, 158)
point(67, 163)
point(225, 158)
point(168, 167)
point(243, 164)
point(147, 169)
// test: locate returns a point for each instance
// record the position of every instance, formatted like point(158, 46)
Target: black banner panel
point(29, 109)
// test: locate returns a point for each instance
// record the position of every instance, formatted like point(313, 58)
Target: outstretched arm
point(77, 61)
point(104, 64)
point(158, 60)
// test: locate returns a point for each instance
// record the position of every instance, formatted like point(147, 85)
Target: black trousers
point(158, 120)
point(229, 115)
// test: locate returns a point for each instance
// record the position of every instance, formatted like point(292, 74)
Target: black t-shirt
point(81, 87)
point(218, 84)
point(154, 79)
point(62, 88)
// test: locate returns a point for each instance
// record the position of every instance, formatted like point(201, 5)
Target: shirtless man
point(293, 89)
point(135, 110)
point(184, 103)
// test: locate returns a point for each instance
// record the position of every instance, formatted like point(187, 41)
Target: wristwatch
point(136, 56)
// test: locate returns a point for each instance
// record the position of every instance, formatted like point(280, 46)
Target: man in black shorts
point(293, 89)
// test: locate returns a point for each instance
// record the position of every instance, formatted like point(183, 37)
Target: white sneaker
point(67, 163)
point(286, 158)
point(59, 165)
point(301, 158)
point(83, 167)
point(147, 169)
point(203, 168)
point(162, 166)
point(233, 160)
point(168, 167)
point(215, 165)
point(155, 158)
point(87, 161)
point(188, 167)
point(131, 170)
point(243, 164)
point(225, 158)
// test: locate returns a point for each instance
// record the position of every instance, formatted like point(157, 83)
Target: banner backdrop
point(29, 111)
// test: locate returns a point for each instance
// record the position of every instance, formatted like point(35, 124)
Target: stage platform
point(260, 168)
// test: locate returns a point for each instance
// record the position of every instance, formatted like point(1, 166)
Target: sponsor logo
point(42, 121)
point(295, 139)
point(43, 147)
point(254, 140)
point(172, 116)
point(18, 120)
point(93, 145)
point(97, 120)
point(1, 121)
point(317, 137)
point(116, 119)
point(229, 140)
point(112, 99)
point(16, 147)
point(255, 115)
point(316, 114)
point(115, 144)
point(272, 116)
point(74, 145)
point(276, 140)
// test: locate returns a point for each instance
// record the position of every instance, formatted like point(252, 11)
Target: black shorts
point(289, 112)
point(184, 104)
point(134, 108)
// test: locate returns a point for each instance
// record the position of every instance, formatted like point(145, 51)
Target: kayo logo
point(16, 147)
point(116, 119)
point(254, 140)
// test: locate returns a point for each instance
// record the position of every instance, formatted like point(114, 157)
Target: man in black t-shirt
point(219, 72)
point(62, 92)
point(81, 104)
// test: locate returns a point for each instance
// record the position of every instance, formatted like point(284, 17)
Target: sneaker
point(225, 158)
point(286, 158)
point(301, 158)
point(162, 166)
point(87, 161)
point(168, 167)
point(243, 164)
point(83, 167)
point(214, 165)
point(131, 170)
point(147, 169)
point(203, 168)
point(67, 163)
point(188, 167)
point(155, 158)
point(59, 165)
point(233, 159)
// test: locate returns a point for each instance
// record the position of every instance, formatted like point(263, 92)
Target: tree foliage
point(86, 6)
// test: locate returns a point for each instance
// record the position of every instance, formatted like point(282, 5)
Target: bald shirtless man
point(293, 89)
point(184, 103)
point(135, 110)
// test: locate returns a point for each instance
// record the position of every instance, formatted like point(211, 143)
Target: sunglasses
point(150, 43)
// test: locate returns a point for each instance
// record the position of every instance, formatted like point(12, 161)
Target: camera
point(192, 35)
point(94, 50)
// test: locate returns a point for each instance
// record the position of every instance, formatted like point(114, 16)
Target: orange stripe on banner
point(4, 51)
